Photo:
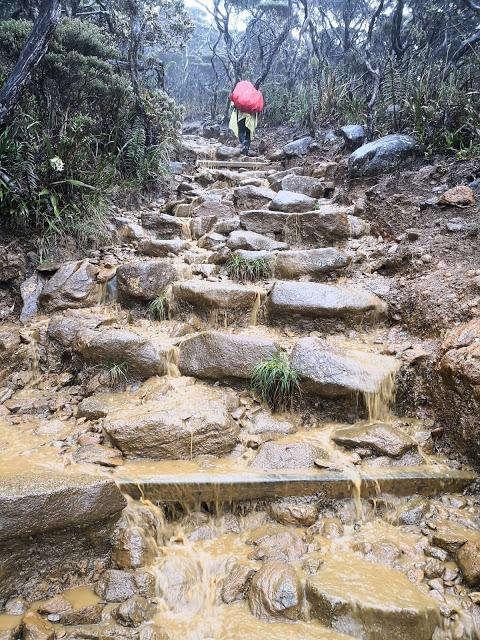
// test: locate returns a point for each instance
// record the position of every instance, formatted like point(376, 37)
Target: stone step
point(314, 263)
point(52, 523)
point(234, 164)
point(243, 485)
point(315, 300)
point(370, 601)
point(319, 228)
point(138, 354)
point(229, 297)
point(335, 372)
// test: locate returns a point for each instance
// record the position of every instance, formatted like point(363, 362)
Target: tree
point(31, 55)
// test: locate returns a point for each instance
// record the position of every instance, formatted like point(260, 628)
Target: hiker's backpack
point(246, 98)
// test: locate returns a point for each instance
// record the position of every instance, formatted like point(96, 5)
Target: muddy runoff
point(146, 491)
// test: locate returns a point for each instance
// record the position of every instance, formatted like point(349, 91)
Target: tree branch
point(31, 55)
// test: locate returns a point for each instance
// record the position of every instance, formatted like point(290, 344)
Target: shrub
point(247, 269)
point(276, 382)
point(158, 308)
point(117, 372)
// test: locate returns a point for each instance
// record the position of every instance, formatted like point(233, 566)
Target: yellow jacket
point(250, 122)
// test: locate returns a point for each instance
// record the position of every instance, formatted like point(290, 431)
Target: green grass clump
point(248, 269)
point(158, 308)
point(117, 372)
point(276, 382)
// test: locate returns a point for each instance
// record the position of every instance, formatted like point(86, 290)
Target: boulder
point(30, 291)
point(161, 248)
point(252, 241)
point(211, 240)
point(141, 355)
point(266, 422)
point(227, 225)
point(382, 438)
point(274, 456)
point(134, 611)
point(451, 536)
point(98, 454)
point(163, 224)
point(34, 627)
point(131, 231)
point(146, 280)
point(292, 202)
point(298, 147)
point(212, 207)
point(370, 601)
point(276, 592)
point(459, 196)
point(354, 136)
point(315, 300)
point(218, 355)
point(290, 511)
point(277, 543)
point(236, 583)
point(116, 586)
point(468, 559)
point(227, 153)
point(250, 197)
point(216, 295)
point(73, 286)
point(254, 255)
point(314, 263)
point(201, 225)
point(334, 372)
point(178, 426)
point(307, 185)
point(381, 155)
point(263, 221)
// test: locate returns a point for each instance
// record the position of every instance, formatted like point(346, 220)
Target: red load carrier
point(246, 98)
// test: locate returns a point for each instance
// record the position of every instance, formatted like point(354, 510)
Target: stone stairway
point(177, 335)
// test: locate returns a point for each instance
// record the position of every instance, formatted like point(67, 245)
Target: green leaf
point(78, 183)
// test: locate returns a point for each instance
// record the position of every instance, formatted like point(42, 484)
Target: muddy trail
point(147, 492)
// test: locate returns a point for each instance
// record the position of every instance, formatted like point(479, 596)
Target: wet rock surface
point(396, 610)
point(177, 427)
point(235, 511)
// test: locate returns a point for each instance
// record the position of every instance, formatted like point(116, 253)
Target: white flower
point(57, 163)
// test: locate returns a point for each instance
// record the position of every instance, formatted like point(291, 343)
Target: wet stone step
point(52, 523)
point(225, 487)
point(316, 300)
point(212, 296)
point(335, 372)
point(370, 601)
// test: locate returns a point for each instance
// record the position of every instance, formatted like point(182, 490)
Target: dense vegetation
point(93, 121)
point(395, 65)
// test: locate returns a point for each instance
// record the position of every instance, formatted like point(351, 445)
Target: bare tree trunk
point(32, 53)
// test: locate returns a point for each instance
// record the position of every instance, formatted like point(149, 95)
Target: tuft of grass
point(276, 382)
point(248, 269)
point(158, 308)
point(117, 372)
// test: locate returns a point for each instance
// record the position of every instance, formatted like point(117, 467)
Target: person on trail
point(247, 103)
point(243, 126)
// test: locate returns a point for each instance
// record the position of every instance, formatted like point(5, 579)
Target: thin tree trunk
point(32, 53)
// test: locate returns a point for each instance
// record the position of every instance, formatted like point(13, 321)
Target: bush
point(246, 269)
point(276, 382)
point(76, 139)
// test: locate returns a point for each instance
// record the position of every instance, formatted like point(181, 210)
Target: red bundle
point(246, 98)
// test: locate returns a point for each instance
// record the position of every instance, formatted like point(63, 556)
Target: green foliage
point(248, 269)
point(117, 372)
point(158, 308)
point(75, 140)
point(276, 382)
